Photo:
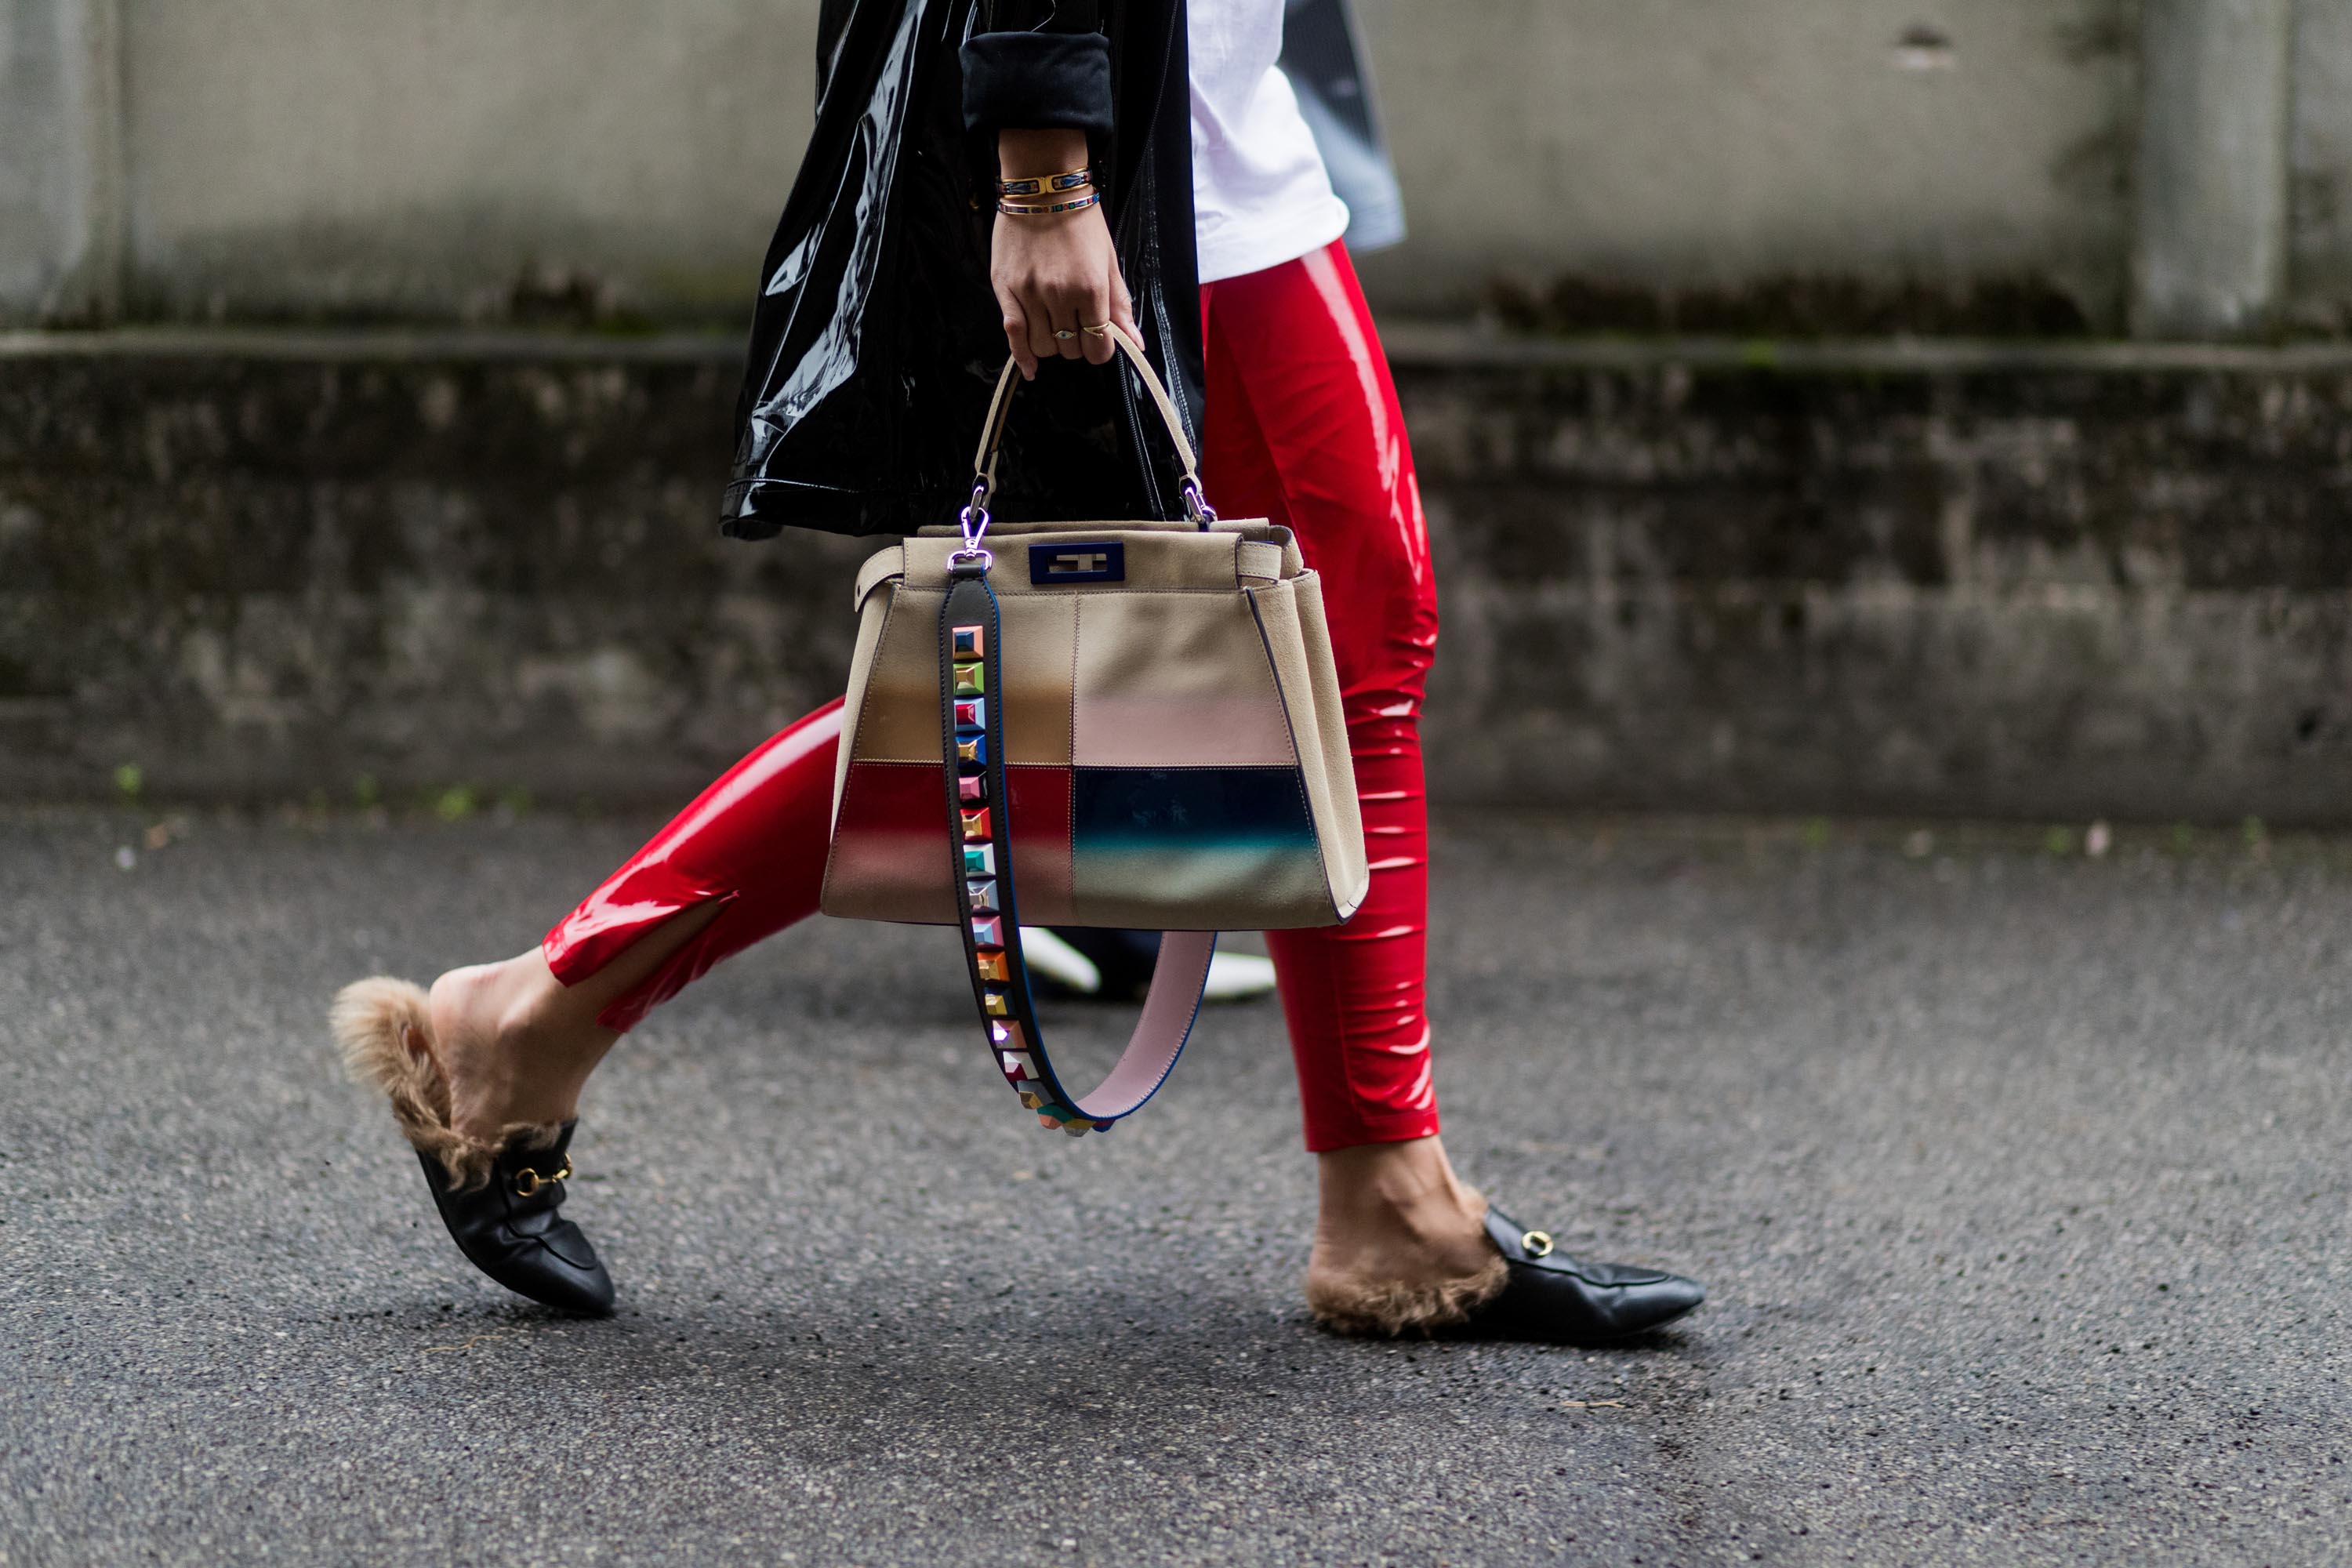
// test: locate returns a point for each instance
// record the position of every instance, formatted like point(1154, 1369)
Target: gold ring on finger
point(1099, 329)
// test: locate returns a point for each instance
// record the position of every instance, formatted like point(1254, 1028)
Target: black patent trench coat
point(875, 342)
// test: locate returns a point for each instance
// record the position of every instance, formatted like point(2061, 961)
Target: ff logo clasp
point(1087, 561)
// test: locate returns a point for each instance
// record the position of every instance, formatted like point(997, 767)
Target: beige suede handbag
point(1125, 725)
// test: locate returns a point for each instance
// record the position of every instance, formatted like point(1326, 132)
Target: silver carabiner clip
point(973, 520)
point(1196, 505)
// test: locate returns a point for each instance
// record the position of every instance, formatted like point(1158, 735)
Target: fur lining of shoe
point(1387, 1309)
point(369, 1018)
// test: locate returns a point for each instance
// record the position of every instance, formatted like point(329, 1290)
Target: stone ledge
point(2029, 579)
point(1414, 343)
point(396, 346)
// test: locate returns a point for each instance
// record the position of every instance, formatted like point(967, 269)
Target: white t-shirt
point(1260, 195)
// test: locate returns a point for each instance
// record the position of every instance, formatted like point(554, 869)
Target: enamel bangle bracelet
point(1035, 185)
point(1020, 209)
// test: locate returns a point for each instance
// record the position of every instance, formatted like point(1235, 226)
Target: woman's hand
point(1055, 273)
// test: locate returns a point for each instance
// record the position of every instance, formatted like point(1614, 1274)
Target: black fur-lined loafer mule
point(508, 1228)
point(500, 1202)
point(1552, 1297)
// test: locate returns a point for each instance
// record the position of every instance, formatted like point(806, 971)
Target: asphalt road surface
point(2018, 1177)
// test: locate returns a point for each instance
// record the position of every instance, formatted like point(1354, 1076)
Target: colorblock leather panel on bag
point(1041, 637)
point(1158, 846)
point(1165, 677)
point(1175, 810)
point(887, 862)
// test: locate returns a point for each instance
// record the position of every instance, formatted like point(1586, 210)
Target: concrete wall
point(438, 158)
point(61, 160)
point(1845, 165)
point(1729, 145)
point(2212, 188)
point(2321, 258)
point(2066, 583)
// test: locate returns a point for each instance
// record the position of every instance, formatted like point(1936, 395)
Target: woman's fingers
point(1069, 314)
point(1094, 318)
point(1122, 307)
point(1016, 332)
point(1042, 342)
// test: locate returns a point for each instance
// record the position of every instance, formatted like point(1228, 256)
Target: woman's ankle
point(1397, 1210)
point(514, 1055)
point(1400, 1242)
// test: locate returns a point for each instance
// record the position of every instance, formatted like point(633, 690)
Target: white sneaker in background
point(1233, 976)
point(1237, 978)
point(1065, 966)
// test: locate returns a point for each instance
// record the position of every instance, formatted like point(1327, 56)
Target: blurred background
point(1877, 406)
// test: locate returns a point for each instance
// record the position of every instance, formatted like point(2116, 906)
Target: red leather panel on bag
point(889, 837)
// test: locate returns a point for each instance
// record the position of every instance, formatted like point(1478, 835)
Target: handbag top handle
point(999, 411)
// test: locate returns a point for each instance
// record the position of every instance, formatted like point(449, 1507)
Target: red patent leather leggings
point(1303, 429)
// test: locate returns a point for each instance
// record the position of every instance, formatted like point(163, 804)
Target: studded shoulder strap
point(979, 839)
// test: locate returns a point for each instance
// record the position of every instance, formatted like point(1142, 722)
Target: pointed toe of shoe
point(562, 1272)
point(511, 1229)
point(1685, 1295)
point(1654, 1302)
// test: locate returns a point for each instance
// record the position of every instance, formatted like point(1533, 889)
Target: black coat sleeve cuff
point(1037, 81)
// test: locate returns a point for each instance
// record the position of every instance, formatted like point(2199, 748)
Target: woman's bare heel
point(385, 1029)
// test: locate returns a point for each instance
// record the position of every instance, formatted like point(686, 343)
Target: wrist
point(1026, 154)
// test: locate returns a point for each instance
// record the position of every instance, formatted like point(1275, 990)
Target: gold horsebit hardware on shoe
point(1535, 1244)
point(527, 1183)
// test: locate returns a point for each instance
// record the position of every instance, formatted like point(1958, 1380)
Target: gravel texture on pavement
point(2017, 1175)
